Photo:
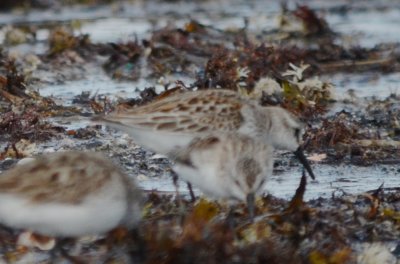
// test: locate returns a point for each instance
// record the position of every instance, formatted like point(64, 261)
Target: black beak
point(300, 155)
point(250, 205)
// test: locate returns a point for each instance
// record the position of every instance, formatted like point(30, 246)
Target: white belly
point(93, 216)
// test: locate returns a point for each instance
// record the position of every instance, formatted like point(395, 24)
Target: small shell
point(31, 240)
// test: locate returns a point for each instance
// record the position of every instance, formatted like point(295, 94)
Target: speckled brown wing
point(58, 177)
point(190, 112)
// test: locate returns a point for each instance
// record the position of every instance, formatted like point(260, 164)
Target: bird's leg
point(230, 218)
point(180, 204)
point(175, 182)
point(251, 205)
point(192, 196)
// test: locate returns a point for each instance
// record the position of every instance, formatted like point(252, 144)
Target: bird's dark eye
point(297, 133)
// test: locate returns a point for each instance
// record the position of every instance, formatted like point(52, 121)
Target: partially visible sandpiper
point(68, 194)
point(233, 167)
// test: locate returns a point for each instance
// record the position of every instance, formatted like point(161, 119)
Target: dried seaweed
point(318, 231)
point(62, 39)
point(123, 61)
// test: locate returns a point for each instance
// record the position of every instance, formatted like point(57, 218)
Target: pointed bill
point(300, 155)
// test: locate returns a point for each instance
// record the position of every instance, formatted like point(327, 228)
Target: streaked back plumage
point(173, 122)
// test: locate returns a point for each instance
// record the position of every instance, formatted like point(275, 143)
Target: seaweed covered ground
point(62, 63)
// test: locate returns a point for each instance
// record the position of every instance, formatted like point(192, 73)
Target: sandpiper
point(173, 122)
point(68, 194)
